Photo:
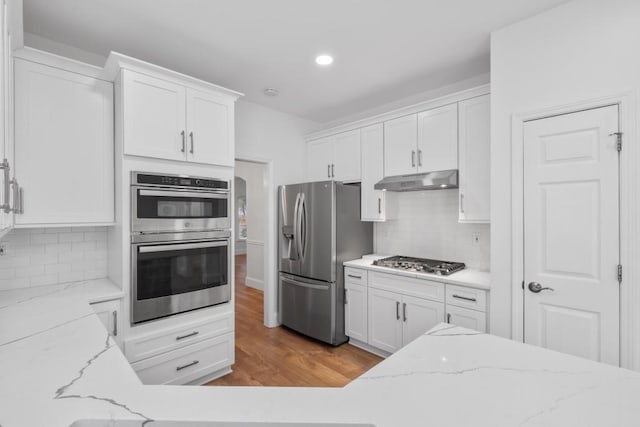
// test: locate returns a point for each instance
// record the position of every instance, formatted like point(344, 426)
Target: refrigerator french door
point(319, 228)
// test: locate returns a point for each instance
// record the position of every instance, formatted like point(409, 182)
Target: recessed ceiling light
point(271, 91)
point(324, 59)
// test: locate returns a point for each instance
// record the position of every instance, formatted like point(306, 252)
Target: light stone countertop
point(469, 277)
point(58, 365)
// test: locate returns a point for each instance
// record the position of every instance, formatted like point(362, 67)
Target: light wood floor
point(281, 357)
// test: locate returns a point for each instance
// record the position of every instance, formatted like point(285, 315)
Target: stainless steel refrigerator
point(319, 228)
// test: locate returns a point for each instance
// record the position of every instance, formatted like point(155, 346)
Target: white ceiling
point(384, 50)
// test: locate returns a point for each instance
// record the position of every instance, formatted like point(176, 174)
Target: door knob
point(536, 287)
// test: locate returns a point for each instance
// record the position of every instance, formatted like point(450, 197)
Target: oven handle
point(199, 195)
point(182, 246)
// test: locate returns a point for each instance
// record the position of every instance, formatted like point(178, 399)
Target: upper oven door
point(170, 210)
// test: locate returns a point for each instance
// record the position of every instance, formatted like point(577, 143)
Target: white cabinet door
point(210, 128)
point(466, 318)
point(346, 156)
point(438, 139)
point(356, 312)
point(385, 326)
point(400, 145)
point(6, 117)
point(418, 316)
point(319, 159)
point(475, 149)
point(63, 146)
point(154, 115)
point(109, 314)
point(372, 157)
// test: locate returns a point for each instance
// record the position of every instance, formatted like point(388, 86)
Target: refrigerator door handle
point(296, 235)
point(303, 227)
point(292, 280)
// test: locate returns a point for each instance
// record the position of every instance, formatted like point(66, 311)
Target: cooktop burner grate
point(422, 265)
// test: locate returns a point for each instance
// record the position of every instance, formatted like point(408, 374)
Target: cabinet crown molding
point(117, 61)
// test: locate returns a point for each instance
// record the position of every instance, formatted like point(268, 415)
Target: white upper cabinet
point(210, 126)
point(335, 158)
point(167, 119)
point(6, 118)
point(400, 145)
point(373, 202)
point(346, 156)
point(475, 147)
point(154, 117)
point(64, 151)
point(438, 139)
point(319, 159)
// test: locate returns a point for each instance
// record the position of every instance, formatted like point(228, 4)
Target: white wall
point(48, 256)
point(427, 227)
point(579, 51)
point(276, 138)
point(256, 192)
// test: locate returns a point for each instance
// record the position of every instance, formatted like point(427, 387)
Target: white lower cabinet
point(109, 314)
point(466, 318)
point(388, 311)
point(187, 364)
point(356, 311)
point(186, 353)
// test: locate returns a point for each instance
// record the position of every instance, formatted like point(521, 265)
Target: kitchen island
point(58, 365)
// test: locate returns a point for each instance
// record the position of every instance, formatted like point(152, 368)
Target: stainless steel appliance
point(319, 228)
point(177, 272)
point(176, 203)
point(434, 180)
point(420, 265)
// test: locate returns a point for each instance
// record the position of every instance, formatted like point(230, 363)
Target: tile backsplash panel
point(48, 256)
point(427, 227)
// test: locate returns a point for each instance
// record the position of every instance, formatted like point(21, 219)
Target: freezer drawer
point(306, 307)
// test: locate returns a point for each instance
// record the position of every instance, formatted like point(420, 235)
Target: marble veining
point(58, 365)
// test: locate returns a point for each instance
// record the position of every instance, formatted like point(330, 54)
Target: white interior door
point(571, 234)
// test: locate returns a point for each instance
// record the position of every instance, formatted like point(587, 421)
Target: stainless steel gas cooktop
point(421, 265)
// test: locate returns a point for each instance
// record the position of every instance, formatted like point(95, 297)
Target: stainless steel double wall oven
point(180, 244)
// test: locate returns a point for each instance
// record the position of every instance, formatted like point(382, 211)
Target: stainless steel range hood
point(437, 180)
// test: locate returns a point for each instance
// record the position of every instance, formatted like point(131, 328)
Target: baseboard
point(366, 347)
point(254, 283)
point(210, 377)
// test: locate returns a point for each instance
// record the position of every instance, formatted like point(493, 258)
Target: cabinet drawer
point(475, 299)
point(188, 363)
point(170, 339)
point(420, 288)
point(466, 318)
point(355, 276)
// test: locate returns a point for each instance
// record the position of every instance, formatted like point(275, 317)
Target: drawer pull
point(188, 365)
point(464, 298)
point(192, 334)
point(448, 317)
point(354, 276)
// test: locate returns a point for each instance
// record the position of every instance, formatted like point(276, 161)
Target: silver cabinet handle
point(397, 310)
point(333, 175)
point(328, 171)
point(21, 198)
point(448, 317)
point(115, 323)
point(404, 311)
point(16, 196)
point(413, 158)
point(419, 157)
point(464, 298)
point(346, 301)
point(6, 202)
point(353, 276)
point(188, 365)
point(192, 334)
point(191, 137)
point(536, 287)
point(461, 202)
point(379, 205)
point(184, 141)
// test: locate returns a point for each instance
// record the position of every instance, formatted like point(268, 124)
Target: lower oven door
point(174, 277)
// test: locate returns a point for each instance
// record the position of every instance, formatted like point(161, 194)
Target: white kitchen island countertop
point(470, 277)
point(58, 365)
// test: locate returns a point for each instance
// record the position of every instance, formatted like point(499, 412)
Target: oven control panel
point(179, 181)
